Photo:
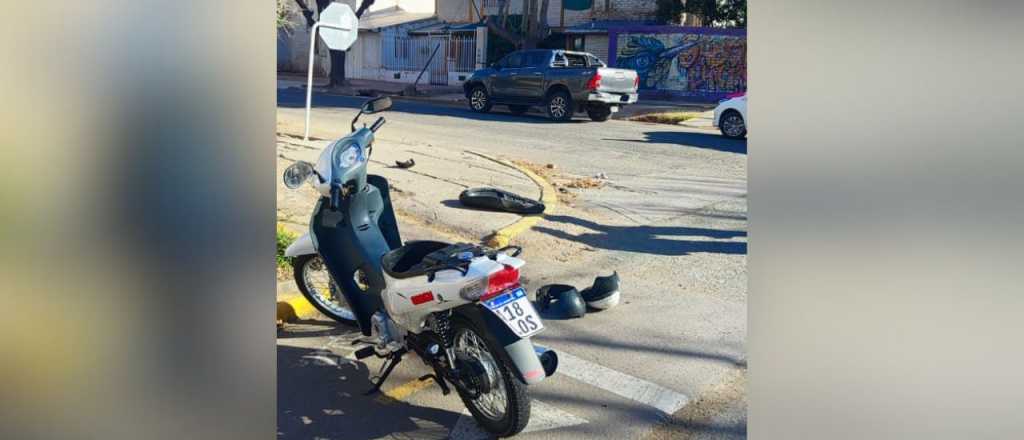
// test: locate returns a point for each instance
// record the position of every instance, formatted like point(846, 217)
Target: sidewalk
point(369, 87)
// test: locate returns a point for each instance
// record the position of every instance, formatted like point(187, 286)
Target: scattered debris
point(585, 182)
point(550, 166)
point(406, 164)
point(601, 176)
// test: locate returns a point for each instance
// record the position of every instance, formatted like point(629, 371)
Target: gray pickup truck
point(563, 82)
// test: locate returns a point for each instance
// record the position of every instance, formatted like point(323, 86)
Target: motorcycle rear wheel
point(505, 410)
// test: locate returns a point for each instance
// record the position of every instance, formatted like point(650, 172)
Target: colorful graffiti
point(685, 64)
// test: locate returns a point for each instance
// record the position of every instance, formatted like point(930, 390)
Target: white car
point(731, 116)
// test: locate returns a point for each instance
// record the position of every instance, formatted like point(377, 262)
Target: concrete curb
point(502, 237)
point(291, 305)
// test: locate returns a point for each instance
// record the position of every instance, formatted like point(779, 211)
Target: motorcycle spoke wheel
point(493, 404)
point(323, 291)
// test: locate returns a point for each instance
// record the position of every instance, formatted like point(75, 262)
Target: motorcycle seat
point(407, 261)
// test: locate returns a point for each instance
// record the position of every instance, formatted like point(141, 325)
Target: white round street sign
point(340, 15)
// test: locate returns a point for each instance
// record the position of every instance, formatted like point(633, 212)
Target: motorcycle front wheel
point(316, 284)
point(505, 409)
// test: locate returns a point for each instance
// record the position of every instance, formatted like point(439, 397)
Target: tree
point(712, 13)
point(284, 10)
point(530, 30)
point(718, 13)
point(668, 11)
point(337, 73)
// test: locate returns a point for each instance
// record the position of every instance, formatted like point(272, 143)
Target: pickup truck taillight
point(595, 81)
point(636, 82)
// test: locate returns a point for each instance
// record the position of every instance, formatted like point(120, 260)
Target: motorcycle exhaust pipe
point(548, 360)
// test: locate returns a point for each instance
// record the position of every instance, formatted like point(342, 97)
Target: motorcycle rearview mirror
point(297, 173)
point(377, 105)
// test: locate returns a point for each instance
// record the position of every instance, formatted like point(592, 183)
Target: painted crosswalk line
point(663, 399)
point(542, 418)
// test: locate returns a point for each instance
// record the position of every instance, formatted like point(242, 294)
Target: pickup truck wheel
point(518, 109)
point(599, 113)
point(479, 100)
point(559, 106)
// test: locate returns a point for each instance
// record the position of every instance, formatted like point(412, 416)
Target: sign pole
point(309, 80)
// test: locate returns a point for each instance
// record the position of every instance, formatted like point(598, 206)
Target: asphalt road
point(670, 218)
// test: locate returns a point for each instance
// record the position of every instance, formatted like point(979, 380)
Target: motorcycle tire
point(513, 395)
point(302, 265)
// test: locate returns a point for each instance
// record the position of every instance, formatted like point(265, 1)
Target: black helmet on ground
point(604, 294)
point(560, 301)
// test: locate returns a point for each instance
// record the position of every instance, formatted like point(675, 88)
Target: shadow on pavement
point(699, 140)
point(320, 395)
point(648, 239)
point(296, 98)
point(455, 203)
point(314, 328)
point(583, 337)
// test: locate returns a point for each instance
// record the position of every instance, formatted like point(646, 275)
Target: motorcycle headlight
point(348, 156)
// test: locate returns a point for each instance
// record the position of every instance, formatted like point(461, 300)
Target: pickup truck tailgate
point(617, 80)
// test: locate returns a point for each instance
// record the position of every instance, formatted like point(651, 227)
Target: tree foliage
point(713, 13)
point(668, 11)
point(718, 13)
point(284, 10)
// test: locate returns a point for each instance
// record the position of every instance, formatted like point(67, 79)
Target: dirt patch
point(585, 183)
point(566, 184)
point(666, 118)
point(718, 413)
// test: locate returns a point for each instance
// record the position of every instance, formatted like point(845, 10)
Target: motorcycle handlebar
point(376, 124)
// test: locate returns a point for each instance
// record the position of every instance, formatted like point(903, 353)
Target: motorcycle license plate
point(515, 310)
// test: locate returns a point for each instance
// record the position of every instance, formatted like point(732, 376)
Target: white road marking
point(639, 390)
point(542, 418)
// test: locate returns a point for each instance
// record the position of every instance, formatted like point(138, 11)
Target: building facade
point(442, 41)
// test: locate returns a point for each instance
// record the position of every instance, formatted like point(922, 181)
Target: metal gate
point(439, 65)
point(455, 53)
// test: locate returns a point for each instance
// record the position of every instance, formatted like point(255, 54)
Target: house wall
point(363, 59)
point(455, 11)
point(293, 45)
point(676, 62)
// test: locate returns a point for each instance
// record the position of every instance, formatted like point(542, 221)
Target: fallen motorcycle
point(459, 307)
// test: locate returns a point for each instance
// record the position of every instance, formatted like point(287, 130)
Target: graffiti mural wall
point(682, 62)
